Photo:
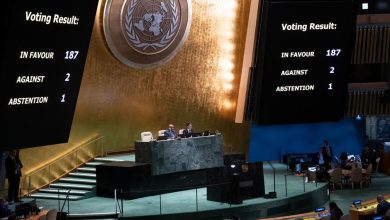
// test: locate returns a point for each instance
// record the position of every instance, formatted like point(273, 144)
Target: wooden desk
point(347, 173)
point(366, 209)
point(305, 216)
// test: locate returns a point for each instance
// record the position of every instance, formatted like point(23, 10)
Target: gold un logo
point(146, 33)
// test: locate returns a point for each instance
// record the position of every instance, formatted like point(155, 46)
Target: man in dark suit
point(383, 205)
point(13, 167)
point(187, 132)
point(329, 150)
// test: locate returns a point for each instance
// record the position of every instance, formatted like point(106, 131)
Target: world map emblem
point(150, 32)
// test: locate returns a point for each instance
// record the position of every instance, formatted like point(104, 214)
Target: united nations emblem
point(146, 33)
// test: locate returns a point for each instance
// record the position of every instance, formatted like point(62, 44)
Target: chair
point(146, 136)
point(336, 177)
point(344, 217)
point(356, 177)
point(51, 214)
point(367, 177)
point(161, 132)
point(377, 164)
point(312, 176)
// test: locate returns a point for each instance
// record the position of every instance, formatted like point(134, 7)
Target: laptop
point(195, 134)
point(161, 138)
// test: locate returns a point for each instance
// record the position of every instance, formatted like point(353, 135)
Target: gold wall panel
point(200, 84)
point(372, 44)
point(366, 102)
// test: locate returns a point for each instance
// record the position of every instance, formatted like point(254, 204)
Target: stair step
point(107, 159)
point(87, 169)
point(82, 174)
point(54, 196)
point(81, 183)
point(65, 191)
point(93, 164)
point(102, 216)
point(78, 180)
point(72, 186)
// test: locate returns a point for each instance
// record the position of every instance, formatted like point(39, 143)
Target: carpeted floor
point(195, 200)
point(189, 200)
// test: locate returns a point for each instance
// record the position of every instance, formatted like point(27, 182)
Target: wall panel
point(119, 102)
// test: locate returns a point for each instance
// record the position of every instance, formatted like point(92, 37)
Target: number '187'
point(71, 54)
point(333, 52)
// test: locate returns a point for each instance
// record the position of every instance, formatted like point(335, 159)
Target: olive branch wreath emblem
point(134, 38)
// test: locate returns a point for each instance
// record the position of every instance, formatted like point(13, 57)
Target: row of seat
point(356, 177)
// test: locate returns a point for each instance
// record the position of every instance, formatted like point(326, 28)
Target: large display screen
point(303, 59)
point(42, 62)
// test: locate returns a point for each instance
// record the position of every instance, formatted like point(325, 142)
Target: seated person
point(170, 133)
point(4, 209)
point(187, 132)
point(382, 206)
point(345, 164)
